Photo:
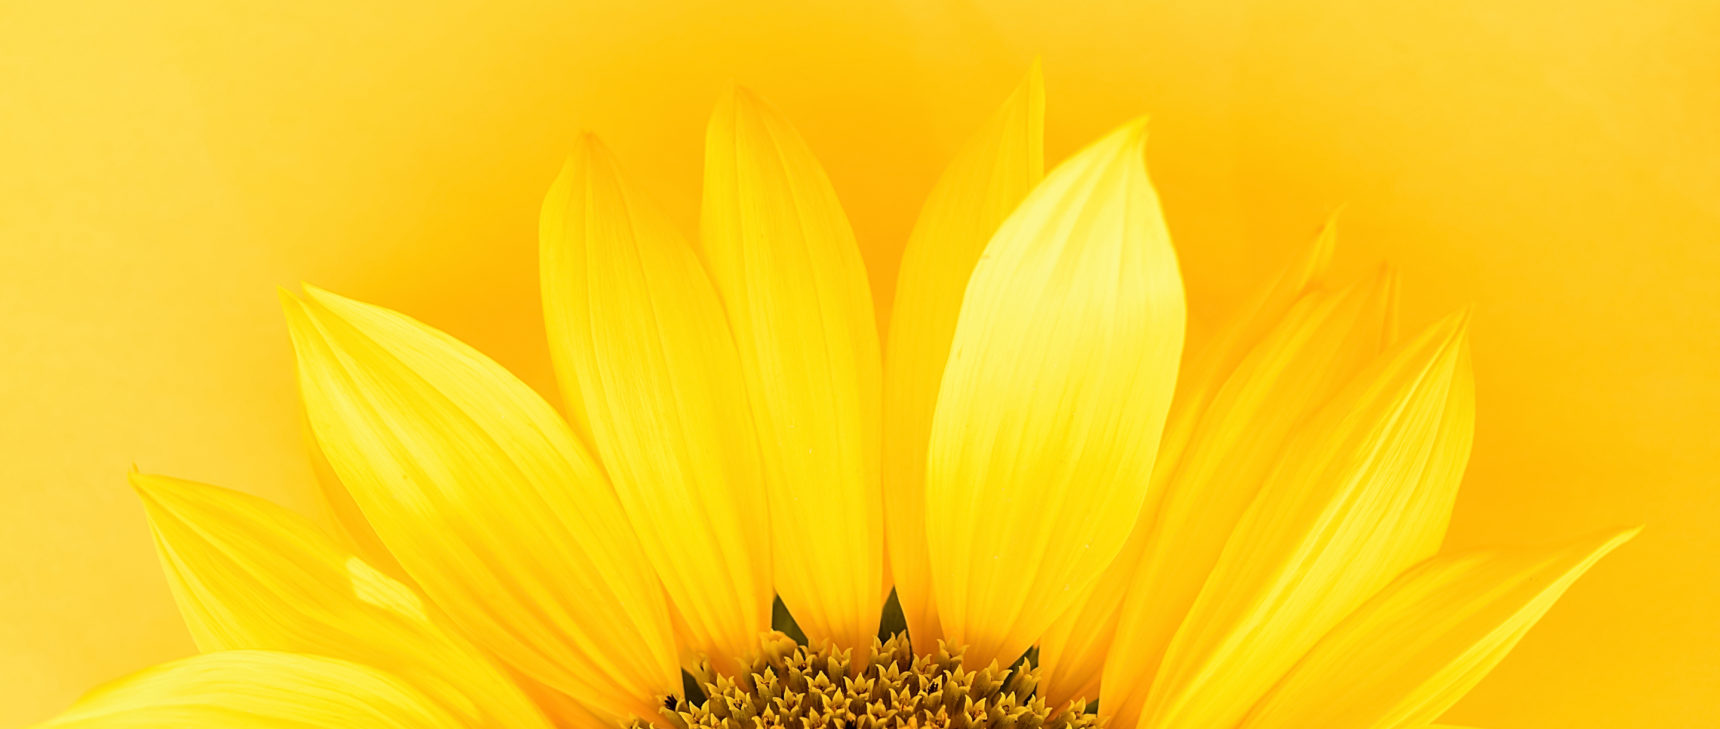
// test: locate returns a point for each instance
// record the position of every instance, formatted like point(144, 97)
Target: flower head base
point(1238, 539)
point(818, 687)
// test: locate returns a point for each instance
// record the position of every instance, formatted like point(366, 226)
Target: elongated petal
point(1322, 343)
point(786, 265)
point(248, 574)
point(984, 183)
point(1411, 652)
point(638, 329)
point(1060, 373)
point(1211, 367)
point(1361, 494)
point(257, 690)
point(1072, 656)
point(488, 501)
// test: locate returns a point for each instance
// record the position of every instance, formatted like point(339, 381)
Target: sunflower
point(1068, 525)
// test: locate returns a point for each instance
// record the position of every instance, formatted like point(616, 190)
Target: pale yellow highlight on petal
point(1072, 655)
point(1411, 652)
point(1060, 374)
point(348, 520)
point(786, 265)
point(248, 574)
point(982, 186)
point(256, 690)
point(1322, 342)
point(488, 501)
point(1073, 652)
point(637, 326)
point(1363, 492)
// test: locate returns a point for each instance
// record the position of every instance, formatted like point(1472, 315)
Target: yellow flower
point(1253, 542)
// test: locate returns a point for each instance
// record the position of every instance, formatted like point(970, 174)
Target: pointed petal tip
point(157, 492)
point(320, 303)
point(288, 301)
point(738, 99)
point(1453, 329)
point(1136, 129)
point(589, 146)
point(141, 483)
point(1126, 143)
point(589, 156)
point(1325, 242)
point(320, 295)
point(1621, 537)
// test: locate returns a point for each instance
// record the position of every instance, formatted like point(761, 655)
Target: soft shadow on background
point(163, 169)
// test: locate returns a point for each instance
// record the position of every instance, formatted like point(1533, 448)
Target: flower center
point(801, 687)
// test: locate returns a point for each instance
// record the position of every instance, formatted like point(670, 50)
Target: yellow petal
point(638, 331)
point(1060, 373)
point(996, 169)
point(1323, 341)
point(1072, 651)
point(1363, 492)
point(1411, 652)
point(248, 574)
point(257, 690)
point(488, 501)
point(1209, 370)
point(786, 265)
point(1072, 656)
point(348, 520)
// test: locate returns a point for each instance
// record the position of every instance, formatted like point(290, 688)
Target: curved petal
point(488, 501)
point(1412, 651)
point(1072, 654)
point(348, 520)
point(1323, 341)
point(248, 574)
point(786, 265)
point(257, 690)
point(1060, 374)
point(638, 330)
point(982, 185)
point(1362, 493)
point(1211, 368)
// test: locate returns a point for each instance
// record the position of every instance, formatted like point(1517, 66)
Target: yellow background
point(1556, 163)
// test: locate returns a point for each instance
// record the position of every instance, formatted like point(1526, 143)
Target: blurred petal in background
point(163, 168)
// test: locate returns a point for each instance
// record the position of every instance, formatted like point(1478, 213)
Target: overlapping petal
point(1060, 373)
point(1211, 367)
point(1322, 342)
point(1363, 492)
point(981, 187)
point(350, 526)
point(256, 690)
point(488, 501)
point(1411, 652)
point(1314, 342)
point(248, 574)
point(638, 330)
point(789, 273)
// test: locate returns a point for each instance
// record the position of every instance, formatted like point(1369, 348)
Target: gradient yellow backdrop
point(162, 168)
